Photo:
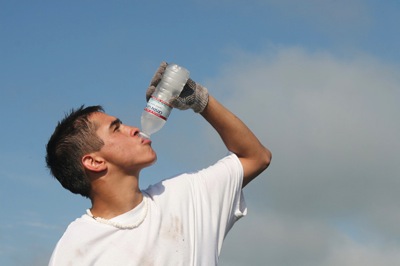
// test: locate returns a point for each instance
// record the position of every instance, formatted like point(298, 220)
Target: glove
point(155, 80)
point(193, 95)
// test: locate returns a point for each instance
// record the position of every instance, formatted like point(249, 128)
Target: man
point(179, 221)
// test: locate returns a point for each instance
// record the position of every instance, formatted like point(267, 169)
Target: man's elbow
point(265, 159)
point(256, 166)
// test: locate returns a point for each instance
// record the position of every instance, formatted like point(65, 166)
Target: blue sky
point(317, 81)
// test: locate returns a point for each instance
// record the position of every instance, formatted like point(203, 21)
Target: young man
point(179, 221)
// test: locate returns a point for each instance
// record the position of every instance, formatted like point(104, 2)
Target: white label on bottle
point(158, 108)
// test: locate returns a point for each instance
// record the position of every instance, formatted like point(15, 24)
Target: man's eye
point(116, 124)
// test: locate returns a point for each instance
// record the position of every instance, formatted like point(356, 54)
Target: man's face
point(123, 148)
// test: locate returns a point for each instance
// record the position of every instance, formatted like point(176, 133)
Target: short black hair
point(74, 136)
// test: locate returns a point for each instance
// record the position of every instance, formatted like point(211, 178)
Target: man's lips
point(146, 141)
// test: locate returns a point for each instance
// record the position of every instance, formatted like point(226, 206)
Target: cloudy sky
point(317, 81)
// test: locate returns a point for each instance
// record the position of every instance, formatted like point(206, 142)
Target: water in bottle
point(158, 108)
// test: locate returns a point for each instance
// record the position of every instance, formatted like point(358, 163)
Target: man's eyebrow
point(115, 123)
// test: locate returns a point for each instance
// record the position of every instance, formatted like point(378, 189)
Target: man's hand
point(155, 80)
point(193, 95)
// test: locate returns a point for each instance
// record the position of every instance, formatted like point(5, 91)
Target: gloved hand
point(193, 95)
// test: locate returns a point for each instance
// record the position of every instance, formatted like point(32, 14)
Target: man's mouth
point(146, 141)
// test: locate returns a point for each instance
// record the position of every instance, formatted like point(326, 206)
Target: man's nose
point(132, 131)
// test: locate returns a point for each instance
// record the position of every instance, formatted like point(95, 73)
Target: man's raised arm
point(238, 138)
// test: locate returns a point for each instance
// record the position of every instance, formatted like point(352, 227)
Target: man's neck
point(112, 197)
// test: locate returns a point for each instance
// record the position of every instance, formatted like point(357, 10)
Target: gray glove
point(193, 95)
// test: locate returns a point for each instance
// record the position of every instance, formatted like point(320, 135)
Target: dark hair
point(74, 136)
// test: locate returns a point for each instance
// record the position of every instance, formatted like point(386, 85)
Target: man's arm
point(238, 138)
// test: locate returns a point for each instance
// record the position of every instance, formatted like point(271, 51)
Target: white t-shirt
point(187, 218)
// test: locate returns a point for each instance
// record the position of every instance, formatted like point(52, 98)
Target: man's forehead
point(100, 118)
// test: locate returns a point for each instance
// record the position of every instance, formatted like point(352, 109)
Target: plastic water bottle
point(158, 108)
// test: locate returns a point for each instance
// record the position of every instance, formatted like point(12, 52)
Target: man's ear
point(94, 163)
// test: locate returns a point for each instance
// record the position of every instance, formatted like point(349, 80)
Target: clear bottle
point(158, 109)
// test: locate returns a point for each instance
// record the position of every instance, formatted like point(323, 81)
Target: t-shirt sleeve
point(223, 182)
point(219, 189)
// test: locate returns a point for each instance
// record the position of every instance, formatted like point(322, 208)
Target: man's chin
point(153, 161)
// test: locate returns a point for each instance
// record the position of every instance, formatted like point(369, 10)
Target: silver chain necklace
point(122, 226)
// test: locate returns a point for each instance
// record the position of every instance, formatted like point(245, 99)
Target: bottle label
point(158, 108)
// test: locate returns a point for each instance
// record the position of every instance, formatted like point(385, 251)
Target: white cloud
point(271, 238)
point(350, 254)
point(332, 125)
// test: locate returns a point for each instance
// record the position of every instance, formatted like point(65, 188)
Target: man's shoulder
point(186, 180)
point(77, 229)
